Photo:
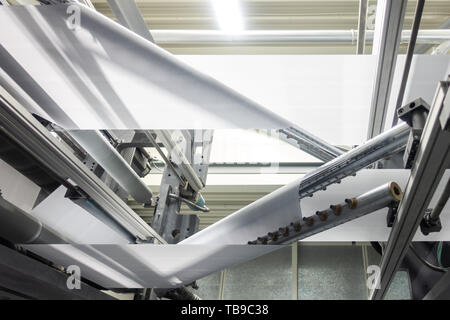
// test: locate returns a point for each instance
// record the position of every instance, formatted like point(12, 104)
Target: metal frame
point(25, 278)
point(432, 160)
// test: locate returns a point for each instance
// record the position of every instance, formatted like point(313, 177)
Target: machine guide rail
point(383, 196)
point(354, 160)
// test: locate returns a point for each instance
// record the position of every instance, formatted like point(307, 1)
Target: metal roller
point(386, 195)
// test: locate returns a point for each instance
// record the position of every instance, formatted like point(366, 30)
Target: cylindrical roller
point(19, 227)
point(349, 209)
point(113, 163)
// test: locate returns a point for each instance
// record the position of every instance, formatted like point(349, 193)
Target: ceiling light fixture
point(229, 16)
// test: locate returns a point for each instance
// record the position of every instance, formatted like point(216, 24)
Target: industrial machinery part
point(431, 221)
point(19, 227)
point(385, 48)
point(432, 160)
point(177, 155)
point(20, 160)
point(386, 195)
point(415, 114)
point(349, 163)
point(26, 278)
point(198, 206)
point(25, 130)
point(309, 143)
point(113, 163)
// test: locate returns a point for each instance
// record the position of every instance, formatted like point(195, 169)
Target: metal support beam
point(361, 40)
point(432, 160)
point(128, 14)
point(390, 15)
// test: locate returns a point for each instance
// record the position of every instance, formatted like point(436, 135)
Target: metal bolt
point(323, 215)
point(273, 235)
point(352, 203)
point(337, 209)
point(309, 221)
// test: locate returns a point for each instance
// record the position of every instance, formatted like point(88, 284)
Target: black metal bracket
point(429, 225)
point(415, 114)
point(392, 213)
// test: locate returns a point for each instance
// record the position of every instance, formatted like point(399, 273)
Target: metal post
point(385, 47)
point(409, 56)
point(361, 41)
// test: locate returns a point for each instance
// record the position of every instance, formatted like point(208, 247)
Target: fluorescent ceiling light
point(229, 15)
